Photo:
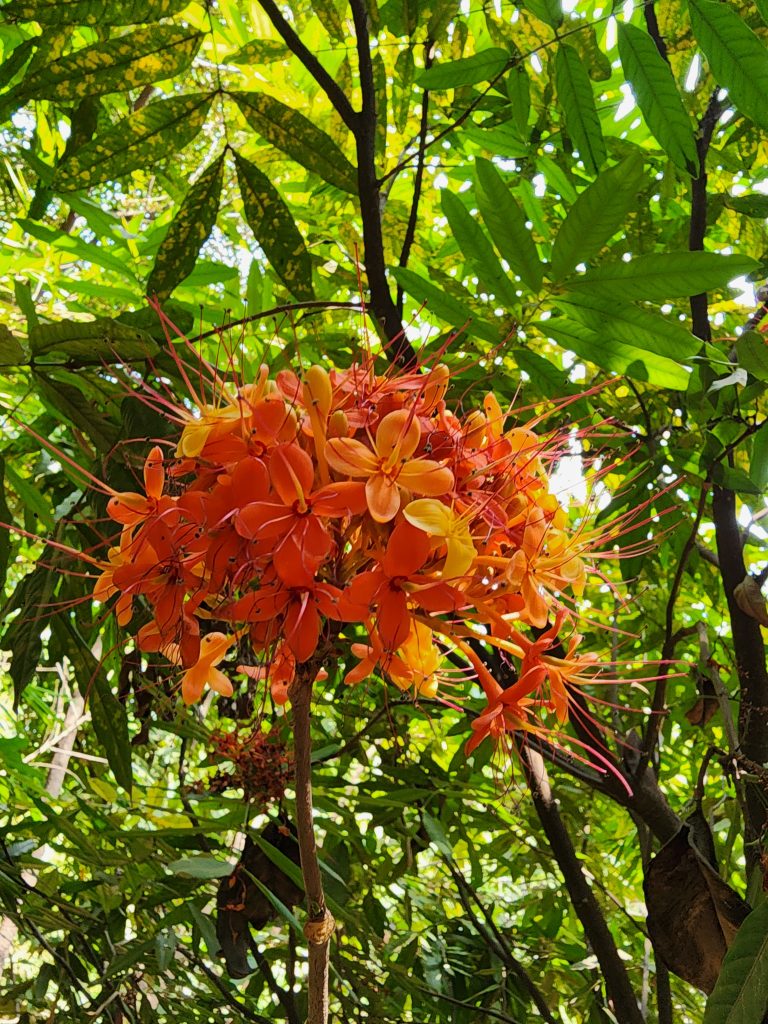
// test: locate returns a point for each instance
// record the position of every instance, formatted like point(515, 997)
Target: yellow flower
point(439, 520)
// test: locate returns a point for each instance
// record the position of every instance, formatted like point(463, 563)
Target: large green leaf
point(480, 67)
point(188, 230)
point(12, 351)
point(602, 350)
point(575, 96)
point(657, 96)
point(70, 401)
point(597, 214)
point(201, 867)
point(740, 995)
point(99, 340)
point(506, 223)
point(275, 229)
point(737, 58)
point(631, 324)
point(751, 204)
point(478, 250)
point(446, 307)
point(131, 60)
point(661, 276)
point(145, 139)
point(291, 133)
point(91, 12)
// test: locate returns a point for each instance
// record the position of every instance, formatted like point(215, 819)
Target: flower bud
point(435, 388)
point(338, 424)
point(475, 426)
point(317, 390)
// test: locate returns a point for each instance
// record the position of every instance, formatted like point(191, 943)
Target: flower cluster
point(350, 511)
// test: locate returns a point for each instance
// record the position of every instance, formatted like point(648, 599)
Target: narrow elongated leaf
point(631, 324)
point(758, 463)
point(519, 92)
point(91, 12)
point(329, 16)
point(156, 133)
point(108, 714)
point(597, 214)
point(5, 534)
point(449, 309)
point(99, 255)
point(478, 250)
point(658, 98)
point(737, 58)
point(602, 350)
point(503, 140)
point(752, 353)
point(259, 51)
point(188, 230)
point(31, 498)
point(131, 60)
point(70, 402)
point(575, 96)
point(506, 224)
point(405, 69)
point(664, 275)
point(740, 995)
point(275, 229)
point(13, 64)
point(292, 133)
point(480, 67)
point(23, 637)
point(101, 339)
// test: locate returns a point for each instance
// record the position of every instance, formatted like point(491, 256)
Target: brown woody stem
point(320, 923)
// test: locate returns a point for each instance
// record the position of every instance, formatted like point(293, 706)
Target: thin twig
point(283, 996)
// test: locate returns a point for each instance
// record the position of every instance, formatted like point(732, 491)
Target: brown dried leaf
point(750, 599)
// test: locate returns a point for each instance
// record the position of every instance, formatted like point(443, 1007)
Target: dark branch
point(652, 24)
point(283, 996)
point(620, 994)
point(418, 178)
point(698, 223)
point(399, 350)
point(332, 90)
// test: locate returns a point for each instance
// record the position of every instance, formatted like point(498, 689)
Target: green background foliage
point(544, 184)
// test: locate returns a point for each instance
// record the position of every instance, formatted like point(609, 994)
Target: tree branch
point(320, 924)
point(283, 996)
point(652, 24)
point(399, 351)
point(332, 90)
point(698, 223)
point(620, 994)
point(418, 178)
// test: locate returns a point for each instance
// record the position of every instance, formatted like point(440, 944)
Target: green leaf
point(275, 229)
point(736, 57)
point(31, 497)
point(734, 479)
point(752, 204)
point(188, 230)
point(156, 133)
point(658, 98)
point(480, 67)
point(100, 340)
point(661, 276)
point(66, 399)
point(506, 223)
point(201, 867)
point(292, 133)
point(603, 351)
point(405, 70)
point(631, 324)
point(23, 638)
point(12, 351)
point(108, 714)
point(597, 214)
point(752, 354)
point(5, 531)
point(574, 93)
point(503, 140)
point(91, 12)
point(758, 463)
point(549, 11)
point(330, 19)
point(519, 92)
point(446, 307)
point(478, 250)
point(129, 61)
point(259, 51)
point(100, 255)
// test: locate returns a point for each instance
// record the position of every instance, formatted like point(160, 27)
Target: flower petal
point(383, 497)
point(346, 455)
point(398, 435)
point(424, 476)
point(291, 472)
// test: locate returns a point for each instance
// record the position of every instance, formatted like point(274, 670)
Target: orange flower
point(129, 507)
point(389, 464)
point(213, 647)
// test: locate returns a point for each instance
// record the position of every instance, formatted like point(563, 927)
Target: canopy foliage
point(560, 196)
